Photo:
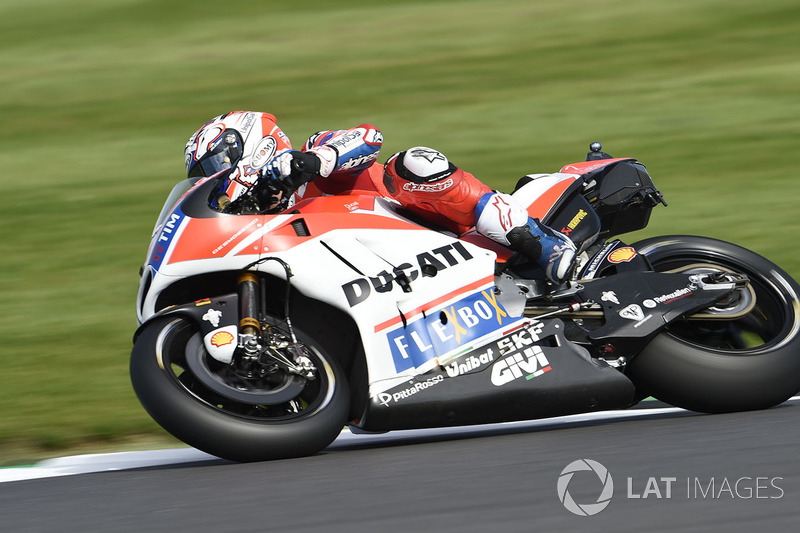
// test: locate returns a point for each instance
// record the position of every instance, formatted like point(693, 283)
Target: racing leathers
point(426, 184)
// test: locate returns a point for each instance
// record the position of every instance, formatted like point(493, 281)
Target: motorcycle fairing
point(400, 291)
point(217, 241)
point(542, 194)
point(529, 371)
point(387, 281)
point(585, 167)
point(555, 199)
point(217, 319)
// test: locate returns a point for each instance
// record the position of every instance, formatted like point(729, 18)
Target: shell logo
point(622, 255)
point(221, 338)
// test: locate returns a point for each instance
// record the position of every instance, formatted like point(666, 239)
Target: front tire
point(714, 366)
point(236, 425)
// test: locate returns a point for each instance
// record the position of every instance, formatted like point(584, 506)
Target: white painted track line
point(109, 462)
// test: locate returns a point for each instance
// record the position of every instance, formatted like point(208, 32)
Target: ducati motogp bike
point(262, 335)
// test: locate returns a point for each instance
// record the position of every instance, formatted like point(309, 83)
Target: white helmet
point(240, 142)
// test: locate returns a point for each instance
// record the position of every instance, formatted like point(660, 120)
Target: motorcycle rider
point(421, 179)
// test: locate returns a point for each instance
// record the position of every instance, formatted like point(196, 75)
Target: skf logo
point(359, 289)
point(521, 357)
point(622, 255)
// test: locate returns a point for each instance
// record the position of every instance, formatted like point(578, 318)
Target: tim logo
point(161, 245)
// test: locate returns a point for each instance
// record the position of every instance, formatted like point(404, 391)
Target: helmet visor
point(224, 155)
point(210, 165)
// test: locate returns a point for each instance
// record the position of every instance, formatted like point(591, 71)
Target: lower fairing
point(533, 372)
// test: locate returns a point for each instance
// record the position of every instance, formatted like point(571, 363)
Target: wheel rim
point(275, 397)
point(772, 320)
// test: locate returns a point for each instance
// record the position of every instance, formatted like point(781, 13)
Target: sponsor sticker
point(622, 255)
point(221, 338)
point(576, 220)
point(428, 187)
point(249, 120)
point(632, 312)
point(264, 152)
point(450, 255)
point(428, 154)
point(472, 362)
point(674, 295)
point(636, 313)
point(162, 244)
point(413, 387)
point(610, 296)
point(442, 332)
point(520, 357)
point(595, 263)
point(212, 316)
point(531, 362)
point(358, 161)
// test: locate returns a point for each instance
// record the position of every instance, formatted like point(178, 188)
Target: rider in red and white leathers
point(421, 179)
point(424, 182)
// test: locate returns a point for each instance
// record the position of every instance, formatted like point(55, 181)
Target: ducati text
point(440, 258)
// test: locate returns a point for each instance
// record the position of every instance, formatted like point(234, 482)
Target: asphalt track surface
point(672, 471)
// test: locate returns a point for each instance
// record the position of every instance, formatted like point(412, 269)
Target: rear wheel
point(751, 361)
point(251, 411)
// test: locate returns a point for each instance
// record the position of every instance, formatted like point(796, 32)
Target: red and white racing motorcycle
point(262, 335)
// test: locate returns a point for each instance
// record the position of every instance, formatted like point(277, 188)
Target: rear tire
point(239, 431)
point(752, 362)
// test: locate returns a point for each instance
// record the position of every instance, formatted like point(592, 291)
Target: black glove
point(291, 169)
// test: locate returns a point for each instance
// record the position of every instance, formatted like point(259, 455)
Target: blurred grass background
point(98, 97)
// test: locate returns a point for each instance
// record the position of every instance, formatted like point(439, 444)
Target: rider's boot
point(551, 250)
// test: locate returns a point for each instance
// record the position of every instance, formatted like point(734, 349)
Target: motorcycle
point(263, 334)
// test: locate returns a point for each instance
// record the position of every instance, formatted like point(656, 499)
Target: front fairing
point(416, 295)
point(178, 191)
point(191, 238)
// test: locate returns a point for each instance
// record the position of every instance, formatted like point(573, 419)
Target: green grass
point(98, 97)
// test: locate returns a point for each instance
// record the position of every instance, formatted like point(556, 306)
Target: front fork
point(253, 354)
point(248, 359)
point(249, 326)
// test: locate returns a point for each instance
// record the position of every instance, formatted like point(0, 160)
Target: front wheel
point(750, 361)
point(253, 412)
